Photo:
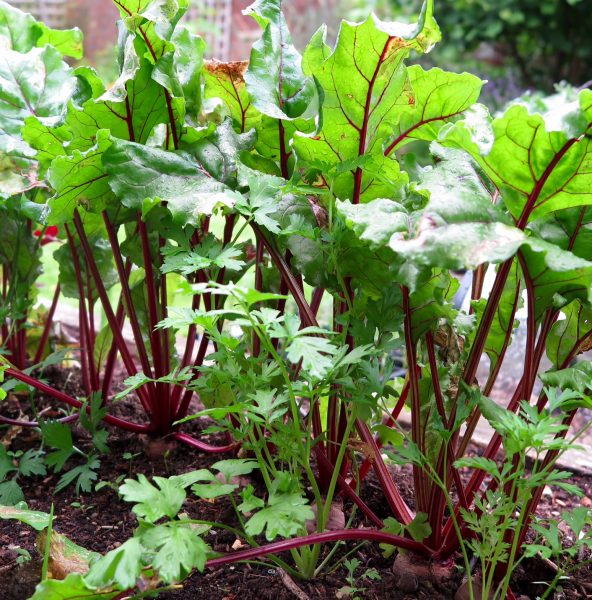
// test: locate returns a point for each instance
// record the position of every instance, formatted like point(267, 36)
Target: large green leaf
point(365, 84)
point(37, 83)
point(73, 586)
point(438, 97)
point(569, 332)
point(22, 32)
point(20, 512)
point(225, 80)
point(275, 81)
point(460, 227)
point(121, 567)
point(79, 181)
point(540, 163)
point(140, 173)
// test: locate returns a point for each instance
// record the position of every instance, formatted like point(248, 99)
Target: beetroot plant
point(312, 208)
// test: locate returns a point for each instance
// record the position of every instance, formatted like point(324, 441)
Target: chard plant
point(292, 177)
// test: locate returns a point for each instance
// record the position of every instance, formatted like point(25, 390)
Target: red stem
point(113, 323)
point(62, 397)
point(367, 535)
point(47, 326)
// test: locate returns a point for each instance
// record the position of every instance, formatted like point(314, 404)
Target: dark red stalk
point(112, 354)
point(161, 402)
point(416, 434)
point(62, 397)
point(123, 272)
point(82, 318)
point(478, 476)
point(368, 535)
point(307, 316)
point(389, 421)
point(393, 496)
point(284, 155)
point(47, 326)
point(327, 468)
point(111, 318)
point(191, 441)
point(17, 423)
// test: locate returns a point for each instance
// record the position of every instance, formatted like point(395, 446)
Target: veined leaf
point(225, 80)
point(21, 32)
point(567, 332)
point(438, 97)
point(365, 83)
point(79, 180)
point(538, 163)
point(275, 81)
point(38, 83)
point(139, 173)
point(178, 550)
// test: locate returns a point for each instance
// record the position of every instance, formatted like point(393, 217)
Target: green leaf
point(235, 467)
point(6, 463)
point(558, 276)
point(31, 463)
point(38, 84)
point(566, 335)
point(538, 164)
point(225, 80)
point(419, 529)
point(74, 586)
point(84, 475)
point(363, 91)
point(59, 436)
point(178, 550)
point(11, 493)
point(274, 79)
point(22, 32)
point(577, 378)
point(285, 515)
point(438, 97)
point(139, 173)
point(315, 354)
point(122, 567)
point(37, 520)
point(79, 181)
point(151, 502)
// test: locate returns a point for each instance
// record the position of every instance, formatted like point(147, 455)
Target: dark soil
point(101, 521)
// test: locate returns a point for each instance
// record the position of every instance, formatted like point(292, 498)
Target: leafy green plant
point(58, 436)
point(15, 466)
point(283, 196)
point(354, 583)
point(497, 515)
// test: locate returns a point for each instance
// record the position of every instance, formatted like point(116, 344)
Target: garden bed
point(101, 521)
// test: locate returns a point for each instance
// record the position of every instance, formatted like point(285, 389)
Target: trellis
point(52, 12)
point(213, 20)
